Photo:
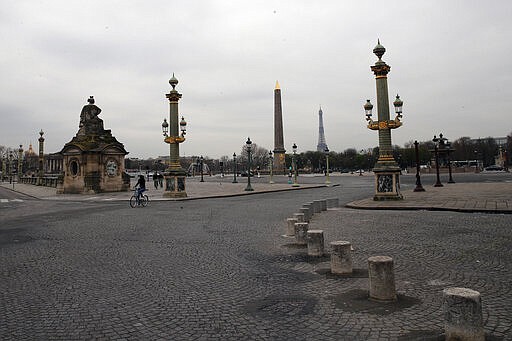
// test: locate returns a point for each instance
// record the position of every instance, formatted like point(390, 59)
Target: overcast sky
point(449, 63)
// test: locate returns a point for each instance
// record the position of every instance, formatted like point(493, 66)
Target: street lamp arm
point(372, 125)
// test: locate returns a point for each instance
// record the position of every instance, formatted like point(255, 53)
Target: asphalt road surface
point(220, 269)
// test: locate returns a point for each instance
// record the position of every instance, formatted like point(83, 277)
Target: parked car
point(494, 168)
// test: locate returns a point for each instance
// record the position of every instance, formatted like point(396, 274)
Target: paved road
point(220, 269)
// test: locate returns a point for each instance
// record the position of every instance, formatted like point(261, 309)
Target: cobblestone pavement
point(220, 269)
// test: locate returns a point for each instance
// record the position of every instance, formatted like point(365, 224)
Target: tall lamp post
point(448, 151)
point(270, 165)
point(327, 181)
point(294, 164)
point(174, 175)
point(249, 145)
point(40, 174)
point(201, 165)
point(419, 187)
point(234, 169)
point(436, 155)
point(10, 167)
point(387, 172)
point(20, 162)
point(4, 168)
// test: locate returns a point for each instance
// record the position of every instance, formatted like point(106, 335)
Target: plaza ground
point(220, 268)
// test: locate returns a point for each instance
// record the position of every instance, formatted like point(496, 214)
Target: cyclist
point(142, 186)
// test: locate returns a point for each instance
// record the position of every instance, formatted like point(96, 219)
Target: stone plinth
point(93, 160)
point(309, 206)
point(317, 206)
point(305, 210)
point(463, 315)
point(290, 226)
point(323, 204)
point(301, 232)
point(382, 278)
point(315, 243)
point(332, 203)
point(300, 217)
point(341, 257)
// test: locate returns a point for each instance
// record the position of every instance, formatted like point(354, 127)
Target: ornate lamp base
point(387, 185)
point(174, 186)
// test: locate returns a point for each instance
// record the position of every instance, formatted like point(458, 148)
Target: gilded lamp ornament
point(385, 124)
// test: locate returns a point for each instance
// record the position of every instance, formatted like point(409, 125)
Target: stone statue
point(90, 123)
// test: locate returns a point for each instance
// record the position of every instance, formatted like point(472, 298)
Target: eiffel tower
point(322, 145)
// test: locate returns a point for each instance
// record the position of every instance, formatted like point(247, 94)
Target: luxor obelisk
point(279, 151)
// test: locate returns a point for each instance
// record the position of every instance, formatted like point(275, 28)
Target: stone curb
point(107, 199)
point(362, 206)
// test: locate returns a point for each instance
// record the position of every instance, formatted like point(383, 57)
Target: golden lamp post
point(387, 171)
point(174, 175)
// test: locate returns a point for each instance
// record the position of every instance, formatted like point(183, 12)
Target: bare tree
point(259, 156)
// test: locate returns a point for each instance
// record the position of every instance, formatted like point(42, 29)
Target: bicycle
point(135, 201)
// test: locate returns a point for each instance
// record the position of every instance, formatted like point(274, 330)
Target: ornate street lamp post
point(20, 162)
point(40, 174)
point(387, 172)
point(294, 164)
point(234, 169)
point(327, 181)
point(419, 187)
point(448, 151)
point(436, 155)
point(174, 175)
point(202, 163)
point(10, 167)
point(4, 168)
point(249, 145)
point(270, 165)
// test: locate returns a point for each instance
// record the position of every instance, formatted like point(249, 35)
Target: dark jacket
point(141, 182)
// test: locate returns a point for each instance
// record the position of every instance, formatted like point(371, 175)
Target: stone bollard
point(463, 315)
point(382, 278)
point(317, 206)
point(290, 226)
point(341, 257)
point(333, 203)
point(306, 213)
point(299, 216)
point(315, 243)
point(301, 233)
point(323, 203)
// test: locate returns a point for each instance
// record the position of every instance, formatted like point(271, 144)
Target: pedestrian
point(155, 179)
point(161, 180)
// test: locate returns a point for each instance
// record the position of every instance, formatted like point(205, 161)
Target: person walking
point(155, 179)
point(161, 180)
